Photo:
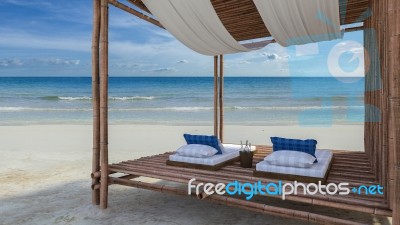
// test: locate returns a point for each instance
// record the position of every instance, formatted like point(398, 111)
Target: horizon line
point(200, 76)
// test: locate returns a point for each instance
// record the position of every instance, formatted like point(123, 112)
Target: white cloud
point(130, 65)
point(38, 61)
point(271, 56)
point(183, 61)
point(272, 60)
point(243, 62)
point(58, 61)
point(10, 62)
point(161, 70)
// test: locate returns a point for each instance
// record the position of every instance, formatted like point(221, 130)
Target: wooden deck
point(351, 167)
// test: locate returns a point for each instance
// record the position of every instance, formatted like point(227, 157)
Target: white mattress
point(231, 151)
point(317, 170)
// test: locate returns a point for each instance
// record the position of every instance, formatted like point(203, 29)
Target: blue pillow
point(308, 146)
point(203, 140)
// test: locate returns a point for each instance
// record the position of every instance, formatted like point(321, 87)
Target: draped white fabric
point(296, 22)
point(196, 24)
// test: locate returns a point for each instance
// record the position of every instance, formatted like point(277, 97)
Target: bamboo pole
point(137, 4)
point(96, 103)
point(104, 104)
point(216, 96)
point(202, 195)
point(221, 98)
point(135, 13)
point(96, 174)
point(393, 54)
point(395, 147)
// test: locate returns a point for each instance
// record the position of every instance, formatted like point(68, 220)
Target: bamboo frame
point(392, 30)
point(216, 96)
point(243, 21)
point(382, 138)
point(135, 13)
point(137, 4)
point(221, 98)
point(395, 187)
point(104, 104)
point(95, 97)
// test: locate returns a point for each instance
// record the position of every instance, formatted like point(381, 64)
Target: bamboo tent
point(379, 164)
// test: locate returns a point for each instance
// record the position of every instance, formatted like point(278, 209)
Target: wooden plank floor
point(351, 167)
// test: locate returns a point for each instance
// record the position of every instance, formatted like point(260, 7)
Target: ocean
point(184, 100)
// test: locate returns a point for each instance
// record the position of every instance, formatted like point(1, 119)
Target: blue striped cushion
point(307, 146)
point(203, 140)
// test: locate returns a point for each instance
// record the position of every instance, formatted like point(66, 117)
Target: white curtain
point(296, 22)
point(196, 24)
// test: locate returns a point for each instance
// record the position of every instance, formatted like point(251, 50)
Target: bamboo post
point(216, 96)
point(104, 104)
point(395, 147)
point(95, 97)
point(379, 135)
point(221, 98)
point(392, 11)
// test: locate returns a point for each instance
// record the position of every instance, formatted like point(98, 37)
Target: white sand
point(44, 175)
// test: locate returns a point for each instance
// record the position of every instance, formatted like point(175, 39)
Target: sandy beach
point(45, 174)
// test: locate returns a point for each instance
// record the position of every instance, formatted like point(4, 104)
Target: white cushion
point(290, 158)
point(197, 151)
point(230, 151)
point(317, 170)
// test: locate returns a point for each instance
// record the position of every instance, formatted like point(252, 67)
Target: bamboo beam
point(140, 6)
point(352, 29)
point(96, 174)
point(221, 98)
point(216, 96)
point(135, 13)
point(202, 195)
point(104, 104)
point(393, 70)
point(95, 97)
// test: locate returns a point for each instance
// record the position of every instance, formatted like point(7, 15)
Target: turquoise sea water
point(148, 100)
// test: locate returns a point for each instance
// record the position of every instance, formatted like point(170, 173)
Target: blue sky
point(53, 38)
